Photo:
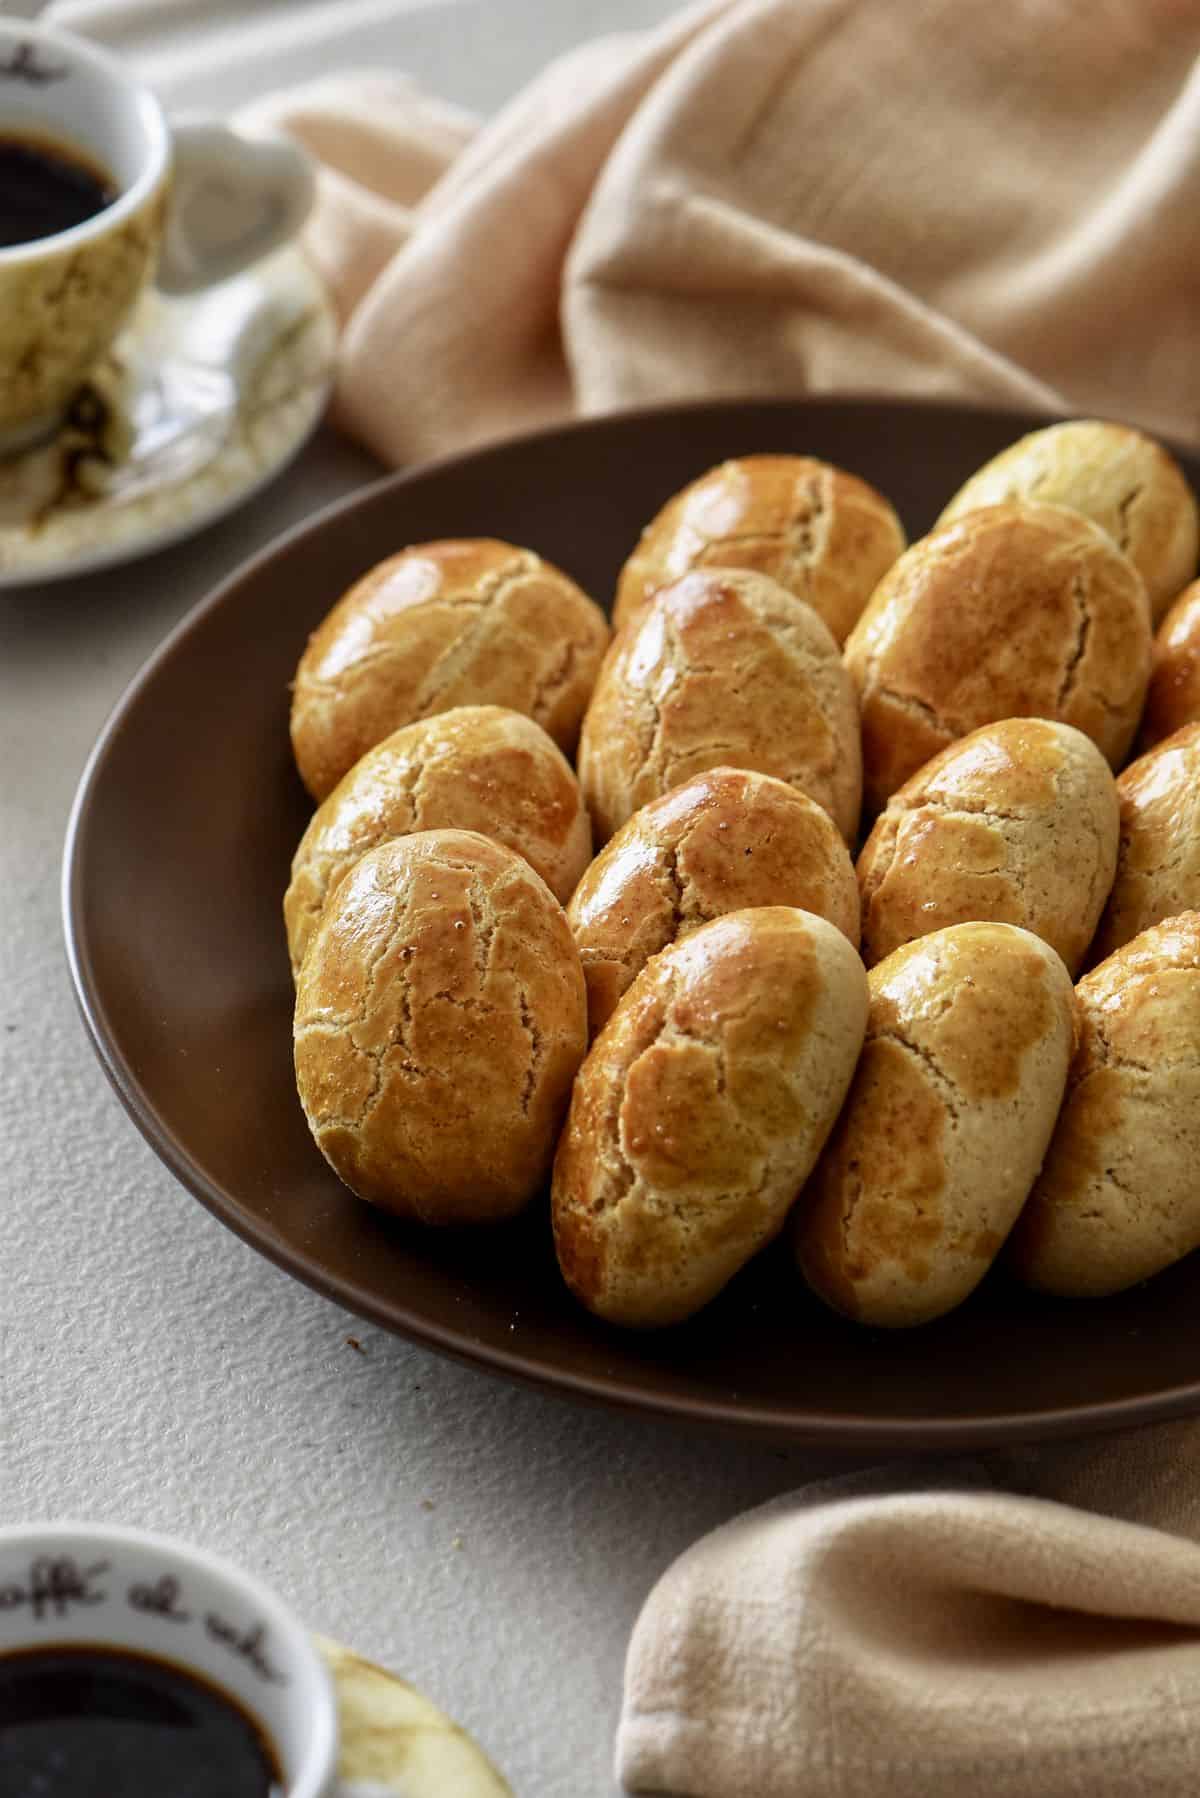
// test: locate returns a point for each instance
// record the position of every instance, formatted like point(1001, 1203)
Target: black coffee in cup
point(47, 186)
point(78, 1719)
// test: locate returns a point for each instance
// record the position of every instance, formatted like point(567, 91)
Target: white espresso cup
point(193, 203)
point(68, 1584)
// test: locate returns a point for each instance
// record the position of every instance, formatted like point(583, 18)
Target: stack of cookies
point(583, 908)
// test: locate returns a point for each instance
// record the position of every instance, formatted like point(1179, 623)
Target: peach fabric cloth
point(945, 197)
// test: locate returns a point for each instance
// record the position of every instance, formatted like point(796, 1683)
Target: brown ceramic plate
point(177, 859)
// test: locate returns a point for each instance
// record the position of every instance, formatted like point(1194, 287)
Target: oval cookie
point(1118, 1197)
point(724, 841)
point(478, 768)
point(1173, 696)
point(700, 1109)
point(470, 622)
point(1016, 824)
point(968, 1041)
point(823, 534)
point(1020, 611)
point(440, 1019)
point(1118, 477)
point(1158, 858)
point(724, 668)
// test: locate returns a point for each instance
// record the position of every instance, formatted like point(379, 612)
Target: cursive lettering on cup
point(52, 1585)
point(160, 1599)
point(23, 65)
point(249, 1645)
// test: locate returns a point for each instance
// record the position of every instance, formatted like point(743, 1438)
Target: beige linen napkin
point(947, 197)
point(775, 196)
point(912, 1633)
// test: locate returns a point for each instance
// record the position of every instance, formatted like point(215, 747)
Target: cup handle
point(232, 199)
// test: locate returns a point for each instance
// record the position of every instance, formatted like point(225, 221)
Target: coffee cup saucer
point(199, 403)
point(395, 1743)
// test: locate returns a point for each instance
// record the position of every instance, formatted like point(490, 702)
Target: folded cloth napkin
point(948, 197)
point(913, 1632)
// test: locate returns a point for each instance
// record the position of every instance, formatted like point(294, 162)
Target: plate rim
point(846, 1431)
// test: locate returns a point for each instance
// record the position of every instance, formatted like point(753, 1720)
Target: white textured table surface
point(491, 1544)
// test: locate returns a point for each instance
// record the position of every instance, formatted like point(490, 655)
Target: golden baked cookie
point(968, 1042)
point(724, 841)
point(1114, 475)
point(700, 1109)
point(823, 534)
point(1016, 823)
point(479, 767)
point(1118, 1197)
point(471, 622)
point(440, 1020)
point(1158, 858)
point(1173, 696)
point(724, 667)
point(1019, 611)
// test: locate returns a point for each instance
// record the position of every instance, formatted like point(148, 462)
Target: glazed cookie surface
point(823, 534)
point(478, 768)
point(440, 1019)
point(725, 841)
point(725, 667)
point(700, 1109)
point(1173, 696)
point(461, 622)
point(1118, 477)
point(1158, 859)
point(1016, 823)
point(968, 1041)
point(1019, 611)
point(1118, 1199)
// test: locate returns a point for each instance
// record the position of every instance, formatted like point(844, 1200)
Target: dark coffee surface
point(46, 188)
point(96, 1722)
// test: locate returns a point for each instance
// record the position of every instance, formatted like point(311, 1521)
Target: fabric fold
point(860, 1640)
point(947, 199)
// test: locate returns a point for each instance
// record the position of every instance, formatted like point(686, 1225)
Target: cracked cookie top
point(1117, 1199)
point(823, 534)
point(723, 841)
point(700, 1110)
point(479, 768)
point(968, 1042)
point(1158, 860)
point(1016, 823)
point(724, 667)
point(1016, 611)
point(459, 622)
point(1118, 477)
point(440, 1019)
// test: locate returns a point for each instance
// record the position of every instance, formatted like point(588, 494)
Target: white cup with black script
point(89, 1611)
point(99, 194)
